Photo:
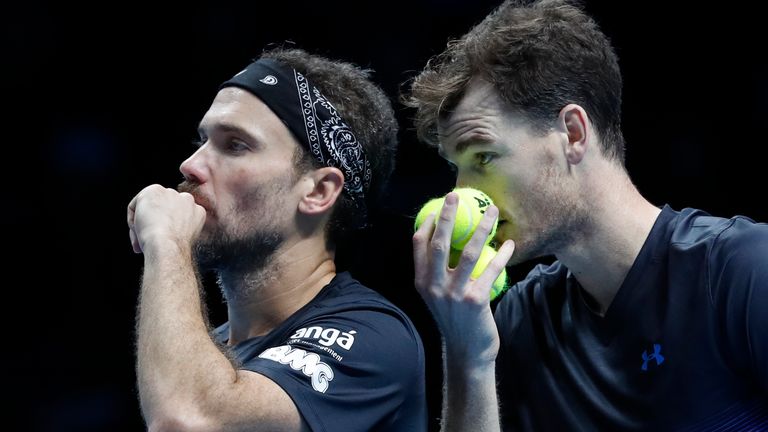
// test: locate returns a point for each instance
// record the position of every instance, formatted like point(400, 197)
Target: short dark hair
point(539, 56)
point(365, 108)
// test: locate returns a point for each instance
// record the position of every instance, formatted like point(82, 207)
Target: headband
point(313, 120)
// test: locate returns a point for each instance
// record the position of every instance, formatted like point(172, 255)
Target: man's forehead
point(479, 98)
point(478, 92)
point(478, 110)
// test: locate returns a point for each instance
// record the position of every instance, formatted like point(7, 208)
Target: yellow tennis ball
point(432, 206)
point(487, 254)
point(471, 207)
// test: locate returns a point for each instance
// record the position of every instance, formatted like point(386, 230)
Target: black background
point(101, 100)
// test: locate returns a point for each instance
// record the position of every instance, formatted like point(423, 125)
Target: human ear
point(326, 184)
point(575, 123)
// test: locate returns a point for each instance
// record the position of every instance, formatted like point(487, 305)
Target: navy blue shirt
point(683, 345)
point(350, 360)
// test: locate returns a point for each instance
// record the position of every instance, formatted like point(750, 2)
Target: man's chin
point(205, 258)
point(216, 251)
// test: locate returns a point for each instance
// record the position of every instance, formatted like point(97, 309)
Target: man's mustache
point(194, 190)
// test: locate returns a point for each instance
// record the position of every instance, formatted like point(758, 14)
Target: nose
point(195, 168)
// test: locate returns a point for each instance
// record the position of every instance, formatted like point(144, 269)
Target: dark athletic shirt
point(683, 345)
point(349, 359)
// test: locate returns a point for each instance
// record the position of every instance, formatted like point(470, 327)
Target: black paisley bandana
point(313, 120)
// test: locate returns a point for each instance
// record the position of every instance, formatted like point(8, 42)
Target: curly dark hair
point(368, 111)
point(539, 56)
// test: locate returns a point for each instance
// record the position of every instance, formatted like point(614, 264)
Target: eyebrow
point(222, 127)
point(227, 128)
point(473, 141)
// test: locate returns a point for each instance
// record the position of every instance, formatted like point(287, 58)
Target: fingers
point(197, 209)
point(440, 246)
point(131, 212)
point(133, 208)
point(430, 255)
point(134, 241)
point(474, 247)
point(431, 249)
point(421, 243)
point(451, 295)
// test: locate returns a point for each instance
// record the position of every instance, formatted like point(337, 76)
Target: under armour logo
point(269, 80)
point(656, 355)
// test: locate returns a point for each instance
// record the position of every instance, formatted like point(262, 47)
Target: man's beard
point(224, 253)
point(242, 254)
point(561, 219)
point(242, 265)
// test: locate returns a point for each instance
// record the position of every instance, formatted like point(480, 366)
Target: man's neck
point(291, 280)
point(622, 220)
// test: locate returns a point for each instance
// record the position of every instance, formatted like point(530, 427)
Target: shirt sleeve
point(739, 290)
point(353, 370)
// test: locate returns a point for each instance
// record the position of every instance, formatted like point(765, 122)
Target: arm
point(461, 308)
point(185, 382)
point(469, 395)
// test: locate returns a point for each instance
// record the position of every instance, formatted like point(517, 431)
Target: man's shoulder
point(697, 233)
point(697, 226)
point(344, 291)
point(346, 298)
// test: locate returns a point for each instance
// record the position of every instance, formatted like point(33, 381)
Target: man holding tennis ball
point(650, 318)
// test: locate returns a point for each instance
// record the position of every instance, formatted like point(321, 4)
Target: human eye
point(482, 159)
point(236, 146)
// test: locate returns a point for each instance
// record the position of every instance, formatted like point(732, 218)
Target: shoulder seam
point(710, 294)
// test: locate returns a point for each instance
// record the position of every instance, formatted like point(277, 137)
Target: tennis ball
point(471, 207)
point(432, 206)
point(487, 254)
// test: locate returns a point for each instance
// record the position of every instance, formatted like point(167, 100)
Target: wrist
point(469, 357)
point(468, 373)
point(160, 247)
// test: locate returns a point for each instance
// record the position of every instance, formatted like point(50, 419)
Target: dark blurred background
point(101, 100)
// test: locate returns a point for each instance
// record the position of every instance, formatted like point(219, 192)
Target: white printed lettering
point(327, 337)
point(308, 363)
point(346, 340)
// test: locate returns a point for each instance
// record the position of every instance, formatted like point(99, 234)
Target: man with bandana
point(292, 152)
